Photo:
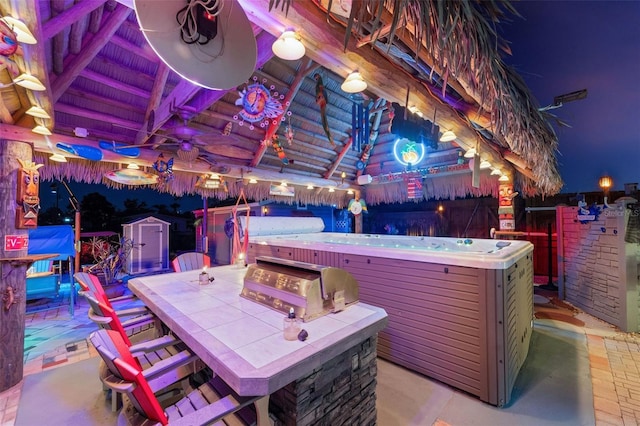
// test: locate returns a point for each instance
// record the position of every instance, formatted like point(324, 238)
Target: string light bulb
point(448, 136)
point(39, 112)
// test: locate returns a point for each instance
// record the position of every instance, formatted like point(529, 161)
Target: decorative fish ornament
point(321, 100)
point(277, 146)
point(288, 133)
point(227, 129)
point(164, 169)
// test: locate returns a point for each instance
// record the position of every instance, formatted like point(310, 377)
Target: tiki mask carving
point(27, 194)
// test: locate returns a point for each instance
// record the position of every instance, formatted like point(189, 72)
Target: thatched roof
point(442, 58)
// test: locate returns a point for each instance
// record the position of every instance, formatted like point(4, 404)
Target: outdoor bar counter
point(329, 378)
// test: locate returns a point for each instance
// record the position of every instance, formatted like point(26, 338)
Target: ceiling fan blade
point(231, 151)
point(214, 138)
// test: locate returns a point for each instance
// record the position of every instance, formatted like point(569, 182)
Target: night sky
point(564, 46)
point(558, 47)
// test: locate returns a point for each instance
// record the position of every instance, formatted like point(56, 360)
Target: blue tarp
point(52, 239)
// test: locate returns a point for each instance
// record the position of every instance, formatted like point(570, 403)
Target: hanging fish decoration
point(288, 132)
point(277, 146)
point(227, 129)
point(321, 100)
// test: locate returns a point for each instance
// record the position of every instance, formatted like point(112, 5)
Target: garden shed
point(150, 245)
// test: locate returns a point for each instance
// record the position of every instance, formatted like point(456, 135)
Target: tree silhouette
point(97, 213)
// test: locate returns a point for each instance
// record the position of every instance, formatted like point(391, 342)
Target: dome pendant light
point(288, 46)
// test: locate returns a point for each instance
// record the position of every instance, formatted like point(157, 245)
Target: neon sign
point(408, 153)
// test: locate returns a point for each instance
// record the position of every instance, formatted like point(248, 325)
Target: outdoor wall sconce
point(288, 46)
point(448, 136)
point(354, 83)
point(265, 210)
point(440, 208)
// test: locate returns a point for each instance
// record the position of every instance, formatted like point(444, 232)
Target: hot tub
point(460, 310)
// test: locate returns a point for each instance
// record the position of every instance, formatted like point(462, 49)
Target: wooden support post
point(13, 273)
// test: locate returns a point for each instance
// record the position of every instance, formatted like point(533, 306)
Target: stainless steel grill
point(311, 290)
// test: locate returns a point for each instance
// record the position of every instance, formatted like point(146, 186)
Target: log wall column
point(12, 274)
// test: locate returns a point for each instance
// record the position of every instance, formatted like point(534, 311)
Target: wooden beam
point(382, 32)
point(338, 160)
point(178, 98)
point(76, 36)
point(204, 99)
point(54, 25)
point(95, 115)
point(156, 96)
point(324, 44)
point(113, 103)
point(115, 84)
point(95, 19)
point(306, 67)
point(97, 42)
point(144, 52)
point(58, 7)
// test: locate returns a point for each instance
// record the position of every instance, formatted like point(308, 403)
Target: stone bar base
point(340, 392)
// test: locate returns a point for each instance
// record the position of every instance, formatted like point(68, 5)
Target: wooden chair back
point(115, 352)
point(90, 282)
point(190, 261)
point(41, 267)
point(99, 311)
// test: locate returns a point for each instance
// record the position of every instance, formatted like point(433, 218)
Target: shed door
point(150, 239)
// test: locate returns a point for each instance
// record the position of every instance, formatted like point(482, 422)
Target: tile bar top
point(242, 341)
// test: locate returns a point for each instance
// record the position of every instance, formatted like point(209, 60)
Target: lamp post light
point(54, 190)
point(605, 183)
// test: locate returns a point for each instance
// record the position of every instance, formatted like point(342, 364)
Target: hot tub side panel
point(436, 323)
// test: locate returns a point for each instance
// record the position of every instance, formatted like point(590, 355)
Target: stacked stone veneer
point(340, 392)
point(597, 266)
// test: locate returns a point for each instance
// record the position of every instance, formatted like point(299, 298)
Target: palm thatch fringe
point(184, 183)
point(462, 37)
point(439, 188)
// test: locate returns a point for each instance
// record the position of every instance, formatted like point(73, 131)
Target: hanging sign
point(505, 207)
point(16, 242)
point(414, 188)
